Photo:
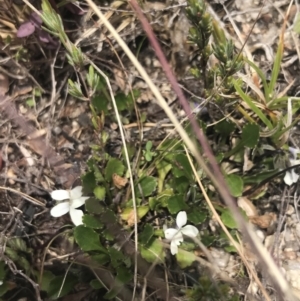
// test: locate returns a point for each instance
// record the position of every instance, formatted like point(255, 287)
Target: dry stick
point(217, 177)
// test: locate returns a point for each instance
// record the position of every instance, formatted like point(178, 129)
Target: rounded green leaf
point(235, 184)
point(113, 166)
point(180, 184)
point(225, 128)
point(153, 252)
point(176, 203)
point(92, 221)
point(146, 235)
point(100, 259)
point(197, 216)
point(46, 279)
point(4, 288)
point(99, 192)
point(250, 135)
point(185, 258)
point(88, 182)
point(96, 284)
point(124, 274)
point(182, 167)
point(228, 219)
point(93, 206)
point(61, 285)
point(146, 186)
point(87, 239)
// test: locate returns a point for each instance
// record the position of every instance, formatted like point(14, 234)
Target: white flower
point(291, 176)
point(176, 235)
point(72, 200)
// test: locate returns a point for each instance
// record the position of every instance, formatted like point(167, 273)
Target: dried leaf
point(118, 181)
point(119, 77)
point(263, 221)
point(131, 218)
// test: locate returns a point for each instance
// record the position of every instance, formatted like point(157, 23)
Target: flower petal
point(177, 239)
point(173, 248)
point(76, 193)
point(79, 202)
point(170, 233)
point(181, 219)
point(76, 216)
point(290, 177)
point(60, 209)
point(60, 195)
point(190, 231)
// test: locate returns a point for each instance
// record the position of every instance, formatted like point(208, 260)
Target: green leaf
point(148, 145)
point(185, 258)
point(113, 166)
point(99, 192)
point(94, 206)
point(2, 270)
point(228, 219)
point(30, 102)
point(154, 252)
point(180, 184)
point(96, 284)
point(100, 103)
point(230, 249)
point(225, 128)
point(98, 175)
point(116, 257)
point(163, 168)
point(12, 254)
point(250, 135)
point(46, 279)
point(235, 184)
point(146, 186)
point(61, 286)
point(124, 274)
point(182, 167)
point(127, 213)
point(146, 235)
point(4, 288)
point(88, 182)
point(100, 259)
point(17, 244)
point(87, 239)
point(24, 264)
point(123, 102)
point(176, 203)
point(161, 200)
point(92, 221)
point(197, 216)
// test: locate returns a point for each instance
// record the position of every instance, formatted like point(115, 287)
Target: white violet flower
point(291, 176)
point(72, 200)
point(176, 235)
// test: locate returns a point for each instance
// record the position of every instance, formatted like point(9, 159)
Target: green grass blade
point(276, 68)
point(253, 107)
point(262, 77)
